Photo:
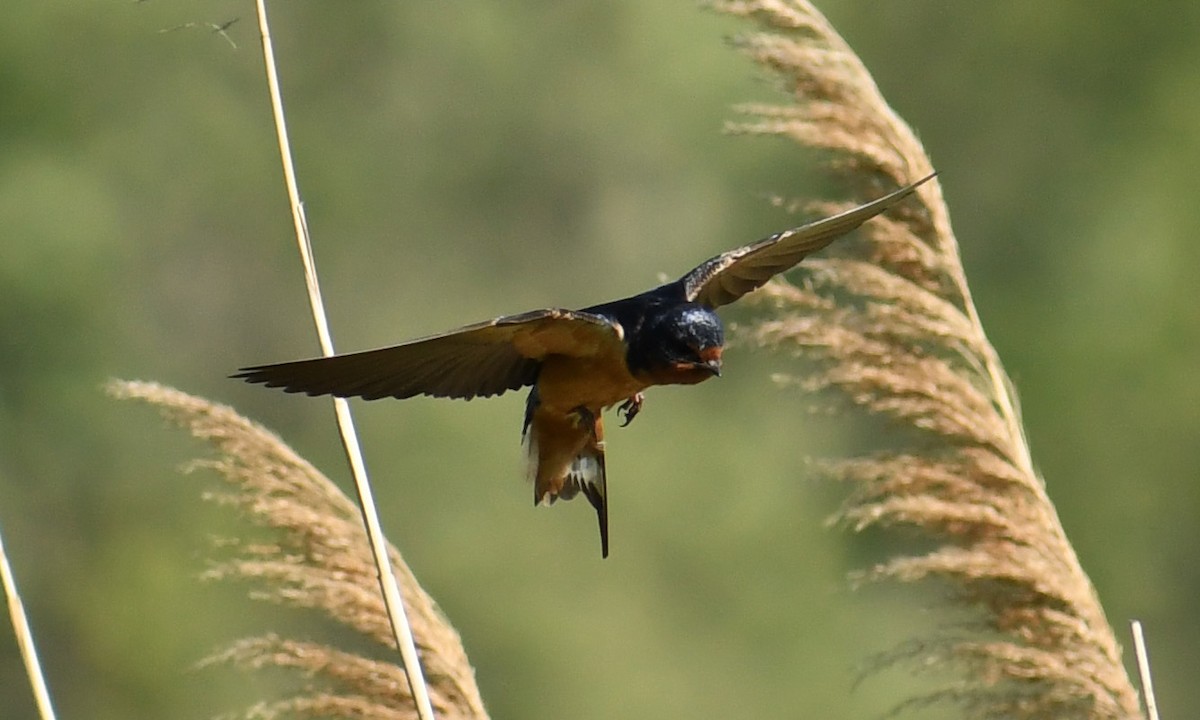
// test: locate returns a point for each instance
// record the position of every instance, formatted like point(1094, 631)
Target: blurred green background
point(462, 161)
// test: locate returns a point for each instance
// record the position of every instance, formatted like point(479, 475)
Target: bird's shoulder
point(631, 313)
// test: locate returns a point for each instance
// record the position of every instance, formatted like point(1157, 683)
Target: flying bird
point(578, 362)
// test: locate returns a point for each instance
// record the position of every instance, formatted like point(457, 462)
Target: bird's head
point(680, 346)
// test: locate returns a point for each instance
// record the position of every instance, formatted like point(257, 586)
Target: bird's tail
point(566, 457)
point(587, 475)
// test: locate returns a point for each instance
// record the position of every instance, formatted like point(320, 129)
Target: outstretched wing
point(478, 360)
point(729, 276)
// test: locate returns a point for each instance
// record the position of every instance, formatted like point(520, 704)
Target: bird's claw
point(630, 408)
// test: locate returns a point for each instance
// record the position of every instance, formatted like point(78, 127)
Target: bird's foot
point(630, 408)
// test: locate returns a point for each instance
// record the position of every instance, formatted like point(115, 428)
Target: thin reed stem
point(1143, 664)
point(345, 421)
point(20, 623)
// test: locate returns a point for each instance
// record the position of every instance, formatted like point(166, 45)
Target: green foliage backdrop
point(461, 162)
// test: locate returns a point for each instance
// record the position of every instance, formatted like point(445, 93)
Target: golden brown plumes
point(890, 325)
point(321, 561)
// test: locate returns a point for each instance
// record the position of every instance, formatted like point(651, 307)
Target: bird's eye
point(686, 350)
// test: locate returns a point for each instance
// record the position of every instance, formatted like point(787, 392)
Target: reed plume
point(889, 326)
point(319, 559)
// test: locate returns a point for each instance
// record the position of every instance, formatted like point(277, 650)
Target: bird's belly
point(565, 383)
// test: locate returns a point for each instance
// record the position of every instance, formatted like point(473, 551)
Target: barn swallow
point(578, 362)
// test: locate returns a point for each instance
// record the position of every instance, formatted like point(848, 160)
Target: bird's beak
point(711, 360)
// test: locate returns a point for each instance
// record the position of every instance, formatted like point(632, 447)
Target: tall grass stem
point(345, 421)
point(1143, 664)
point(20, 623)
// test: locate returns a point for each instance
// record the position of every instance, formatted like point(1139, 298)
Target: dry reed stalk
point(890, 326)
point(321, 560)
point(24, 636)
point(388, 584)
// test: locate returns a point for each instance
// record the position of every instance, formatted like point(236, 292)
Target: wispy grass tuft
point(889, 326)
point(319, 559)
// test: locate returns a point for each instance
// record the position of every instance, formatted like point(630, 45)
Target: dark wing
point(729, 276)
point(478, 360)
